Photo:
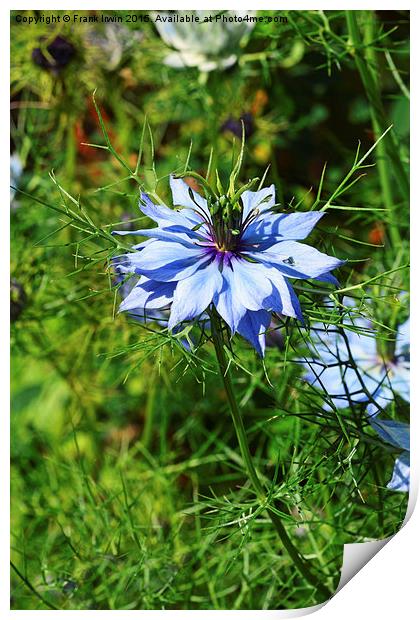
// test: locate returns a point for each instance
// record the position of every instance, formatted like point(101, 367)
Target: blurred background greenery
point(127, 489)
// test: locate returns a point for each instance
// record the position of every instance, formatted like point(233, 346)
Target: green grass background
point(127, 488)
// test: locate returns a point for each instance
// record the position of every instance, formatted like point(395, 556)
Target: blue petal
point(331, 349)
point(375, 383)
point(325, 343)
point(178, 270)
point(121, 261)
point(227, 303)
point(181, 197)
point(328, 343)
point(250, 283)
point(121, 233)
point(332, 381)
point(362, 343)
point(403, 338)
point(141, 315)
point(178, 234)
point(297, 260)
point(135, 299)
point(382, 397)
point(330, 279)
point(342, 383)
point(400, 380)
point(285, 226)
point(194, 294)
point(166, 261)
point(148, 295)
point(372, 410)
point(400, 480)
point(161, 214)
point(295, 304)
point(143, 244)
point(253, 326)
point(395, 433)
point(283, 299)
point(262, 200)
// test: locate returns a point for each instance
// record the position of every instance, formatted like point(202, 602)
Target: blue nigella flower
point(398, 435)
point(238, 257)
point(330, 368)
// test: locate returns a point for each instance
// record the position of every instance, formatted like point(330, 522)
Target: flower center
point(228, 224)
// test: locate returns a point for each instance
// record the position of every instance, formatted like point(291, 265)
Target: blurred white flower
point(206, 45)
point(115, 40)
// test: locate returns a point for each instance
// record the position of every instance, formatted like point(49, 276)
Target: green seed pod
point(214, 207)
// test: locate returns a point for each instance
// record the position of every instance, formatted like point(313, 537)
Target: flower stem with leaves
point(301, 564)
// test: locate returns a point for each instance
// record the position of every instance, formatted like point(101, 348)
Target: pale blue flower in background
point(398, 435)
point(206, 45)
point(331, 369)
point(194, 259)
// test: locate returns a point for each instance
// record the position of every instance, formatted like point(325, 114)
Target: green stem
point(70, 149)
point(149, 415)
point(300, 562)
point(31, 587)
point(388, 148)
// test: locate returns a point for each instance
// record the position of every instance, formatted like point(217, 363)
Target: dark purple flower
point(234, 125)
point(61, 52)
